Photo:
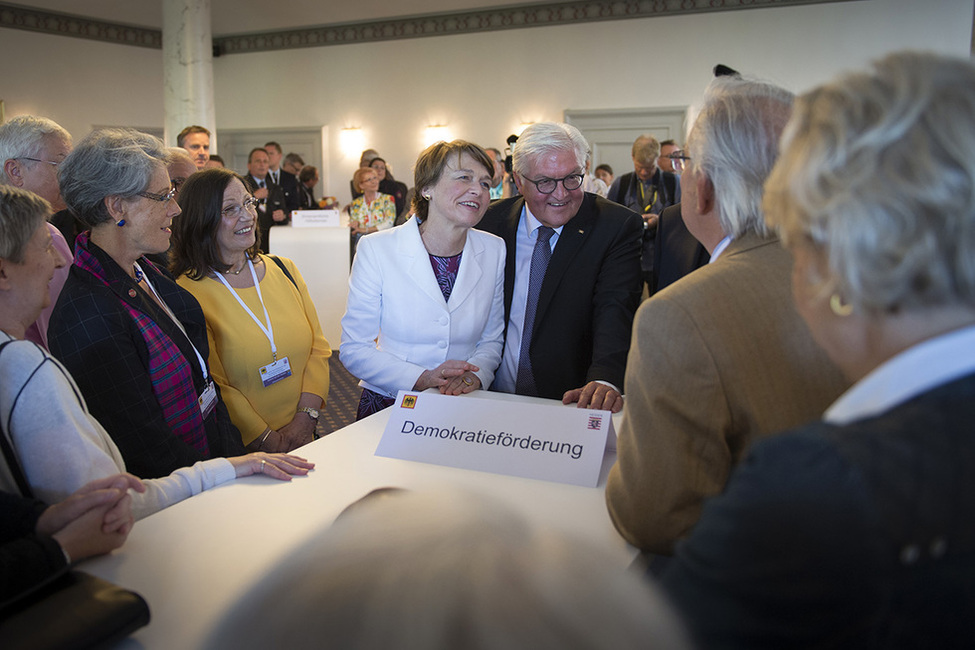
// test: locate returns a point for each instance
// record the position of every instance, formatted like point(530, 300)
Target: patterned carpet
point(343, 398)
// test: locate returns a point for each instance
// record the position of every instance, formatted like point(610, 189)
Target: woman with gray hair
point(52, 446)
point(857, 531)
point(135, 342)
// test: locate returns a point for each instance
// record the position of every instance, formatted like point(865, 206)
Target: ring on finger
point(468, 381)
point(263, 463)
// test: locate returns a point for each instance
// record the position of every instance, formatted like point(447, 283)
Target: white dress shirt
point(915, 371)
point(527, 233)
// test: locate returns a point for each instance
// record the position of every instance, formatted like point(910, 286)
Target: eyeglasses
point(162, 198)
point(677, 159)
point(47, 162)
point(178, 183)
point(548, 185)
point(237, 211)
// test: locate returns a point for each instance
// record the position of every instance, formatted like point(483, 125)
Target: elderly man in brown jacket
point(721, 357)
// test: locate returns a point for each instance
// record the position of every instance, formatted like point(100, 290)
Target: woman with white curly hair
point(857, 531)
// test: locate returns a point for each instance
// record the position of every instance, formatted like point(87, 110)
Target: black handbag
point(70, 609)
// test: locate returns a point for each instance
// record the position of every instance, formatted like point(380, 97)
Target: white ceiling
point(245, 16)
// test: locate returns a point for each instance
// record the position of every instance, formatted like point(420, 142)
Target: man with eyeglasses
point(646, 190)
point(31, 149)
point(572, 276)
point(720, 358)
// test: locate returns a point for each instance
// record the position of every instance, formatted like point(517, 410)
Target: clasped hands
point(452, 377)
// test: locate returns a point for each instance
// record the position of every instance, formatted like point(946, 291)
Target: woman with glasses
point(267, 350)
point(133, 340)
point(425, 306)
point(373, 210)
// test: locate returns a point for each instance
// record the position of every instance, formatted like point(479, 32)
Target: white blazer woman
point(397, 323)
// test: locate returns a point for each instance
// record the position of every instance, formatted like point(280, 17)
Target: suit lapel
point(416, 259)
point(571, 239)
point(510, 236)
point(468, 275)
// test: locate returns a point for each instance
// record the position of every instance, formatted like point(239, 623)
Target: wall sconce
point(352, 141)
point(436, 133)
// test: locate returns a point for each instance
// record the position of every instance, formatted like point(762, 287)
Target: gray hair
point(176, 155)
point(734, 142)
point(546, 138)
point(21, 212)
point(293, 158)
point(877, 172)
point(440, 570)
point(108, 162)
point(23, 136)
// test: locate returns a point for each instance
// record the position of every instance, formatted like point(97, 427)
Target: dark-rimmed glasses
point(548, 185)
point(677, 159)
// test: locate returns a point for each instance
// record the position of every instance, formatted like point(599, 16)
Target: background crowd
point(783, 308)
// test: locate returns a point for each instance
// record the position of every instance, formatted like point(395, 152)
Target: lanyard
point(267, 329)
point(169, 312)
point(643, 199)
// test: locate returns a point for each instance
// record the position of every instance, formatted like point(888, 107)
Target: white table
point(192, 561)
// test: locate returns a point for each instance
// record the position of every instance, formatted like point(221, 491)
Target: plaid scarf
point(169, 371)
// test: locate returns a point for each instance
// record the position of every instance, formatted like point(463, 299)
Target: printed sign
point(540, 441)
point(316, 219)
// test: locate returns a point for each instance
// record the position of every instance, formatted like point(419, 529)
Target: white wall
point(484, 85)
point(80, 84)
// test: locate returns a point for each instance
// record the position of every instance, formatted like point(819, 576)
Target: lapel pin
point(131, 293)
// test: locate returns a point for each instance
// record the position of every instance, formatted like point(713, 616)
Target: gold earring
point(839, 307)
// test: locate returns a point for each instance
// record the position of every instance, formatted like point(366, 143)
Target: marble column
point(187, 68)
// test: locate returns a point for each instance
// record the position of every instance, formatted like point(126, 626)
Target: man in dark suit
point(287, 181)
point(646, 190)
point(587, 292)
point(676, 252)
point(307, 180)
point(270, 207)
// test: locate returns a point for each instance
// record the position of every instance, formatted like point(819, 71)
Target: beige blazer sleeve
point(672, 449)
point(718, 359)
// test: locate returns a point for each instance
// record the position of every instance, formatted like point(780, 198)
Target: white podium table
point(194, 560)
point(322, 256)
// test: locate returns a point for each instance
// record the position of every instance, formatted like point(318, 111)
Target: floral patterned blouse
point(381, 213)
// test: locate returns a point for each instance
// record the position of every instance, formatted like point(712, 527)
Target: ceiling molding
point(47, 22)
point(488, 20)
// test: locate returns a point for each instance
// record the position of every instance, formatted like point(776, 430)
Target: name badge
point(272, 373)
point(208, 400)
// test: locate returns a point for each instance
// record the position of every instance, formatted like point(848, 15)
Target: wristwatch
point(312, 413)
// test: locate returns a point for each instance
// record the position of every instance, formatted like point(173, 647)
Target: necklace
point(237, 272)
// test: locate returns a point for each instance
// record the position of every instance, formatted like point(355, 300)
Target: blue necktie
point(525, 382)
